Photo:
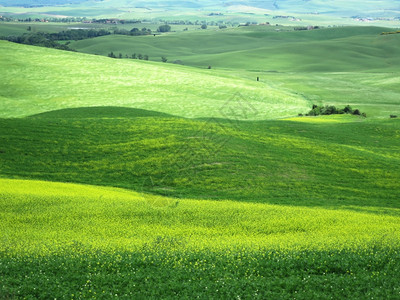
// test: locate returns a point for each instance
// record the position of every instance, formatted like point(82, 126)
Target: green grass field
point(262, 161)
point(351, 65)
point(55, 80)
point(19, 28)
point(72, 241)
point(263, 48)
point(148, 180)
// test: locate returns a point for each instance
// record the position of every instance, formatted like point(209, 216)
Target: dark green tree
point(348, 109)
point(164, 28)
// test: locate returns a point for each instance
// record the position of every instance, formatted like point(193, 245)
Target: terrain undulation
point(142, 179)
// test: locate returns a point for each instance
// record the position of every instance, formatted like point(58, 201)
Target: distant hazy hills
point(337, 7)
point(33, 3)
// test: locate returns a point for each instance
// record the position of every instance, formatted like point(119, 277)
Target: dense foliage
point(49, 40)
point(332, 110)
point(164, 28)
point(133, 32)
point(265, 274)
point(37, 39)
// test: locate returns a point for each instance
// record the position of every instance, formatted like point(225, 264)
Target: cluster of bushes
point(134, 56)
point(115, 21)
point(197, 22)
point(37, 39)
point(49, 40)
point(48, 19)
point(71, 20)
point(76, 34)
point(332, 110)
point(390, 32)
point(306, 28)
point(164, 28)
point(133, 31)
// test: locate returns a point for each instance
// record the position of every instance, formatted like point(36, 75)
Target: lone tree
point(164, 28)
point(204, 26)
point(164, 59)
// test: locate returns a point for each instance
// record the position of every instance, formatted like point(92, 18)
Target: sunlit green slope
point(89, 242)
point(332, 161)
point(230, 205)
point(339, 66)
point(109, 219)
point(34, 80)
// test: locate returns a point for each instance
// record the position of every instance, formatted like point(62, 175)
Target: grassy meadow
point(73, 241)
point(359, 69)
point(124, 178)
point(54, 80)
point(257, 161)
point(267, 48)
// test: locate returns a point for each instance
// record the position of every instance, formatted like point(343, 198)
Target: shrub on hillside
point(323, 110)
point(348, 109)
point(164, 28)
point(332, 110)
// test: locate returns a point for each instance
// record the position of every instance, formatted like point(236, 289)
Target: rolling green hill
point(138, 179)
point(348, 49)
point(101, 212)
point(83, 241)
point(369, 83)
point(340, 66)
point(35, 80)
point(328, 161)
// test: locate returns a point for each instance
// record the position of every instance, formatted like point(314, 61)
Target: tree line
point(332, 110)
point(50, 40)
point(76, 34)
point(134, 31)
point(133, 56)
point(37, 39)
